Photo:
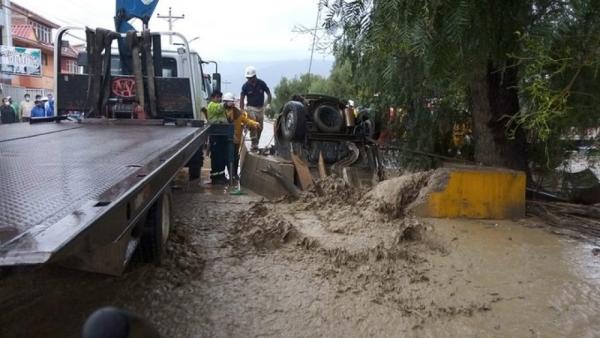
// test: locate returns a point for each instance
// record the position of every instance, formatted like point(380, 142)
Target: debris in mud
point(391, 197)
point(262, 230)
point(333, 190)
point(388, 200)
point(412, 233)
point(184, 261)
point(364, 241)
point(308, 243)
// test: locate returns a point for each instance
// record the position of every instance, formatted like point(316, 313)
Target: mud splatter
point(262, 230)
point(391, 197)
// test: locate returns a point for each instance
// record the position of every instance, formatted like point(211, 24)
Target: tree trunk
point(494, 98)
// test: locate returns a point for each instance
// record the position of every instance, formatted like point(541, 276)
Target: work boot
point(219, 180)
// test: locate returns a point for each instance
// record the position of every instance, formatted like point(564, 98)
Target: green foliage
point(404, 52)
point(559, 84)
point(338, 84)
point(305, 84)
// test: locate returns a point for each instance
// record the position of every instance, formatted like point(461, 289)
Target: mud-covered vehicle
point(315, 125)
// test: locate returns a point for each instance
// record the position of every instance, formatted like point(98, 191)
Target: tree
point(410, 51)
point(340, 82)
point(559, 84)
point(305, 84)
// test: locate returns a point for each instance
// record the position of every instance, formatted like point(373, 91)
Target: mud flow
point(343, 263)
point(437, 277)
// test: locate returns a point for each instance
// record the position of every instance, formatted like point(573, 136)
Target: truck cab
point(174, 65)
point(174, 83)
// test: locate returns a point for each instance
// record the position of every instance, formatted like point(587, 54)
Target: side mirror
point(216, 81)
point(82, 59)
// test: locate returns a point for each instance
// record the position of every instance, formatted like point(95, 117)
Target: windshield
point(169, 66)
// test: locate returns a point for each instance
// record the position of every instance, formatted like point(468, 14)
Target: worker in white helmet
point(240, 120)
point(253, 91)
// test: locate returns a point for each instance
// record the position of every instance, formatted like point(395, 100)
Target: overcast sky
point(228, 30)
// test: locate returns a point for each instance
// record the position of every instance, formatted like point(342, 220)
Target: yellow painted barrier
point(476, 192)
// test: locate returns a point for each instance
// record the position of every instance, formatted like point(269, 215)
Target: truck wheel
point(366, 126)
point(278, 135)
point(293, 120)
point(156, 230)
point(328, 118)
point(195, 165)
point(369, 129)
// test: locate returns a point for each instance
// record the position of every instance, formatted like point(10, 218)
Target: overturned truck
point(315, 126)
point(315, 132)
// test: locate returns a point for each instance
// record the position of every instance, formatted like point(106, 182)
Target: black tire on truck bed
point(158, 223)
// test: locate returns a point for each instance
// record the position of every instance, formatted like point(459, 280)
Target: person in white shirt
point(26, 107)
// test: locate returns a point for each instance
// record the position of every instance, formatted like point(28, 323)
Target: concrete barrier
point(474, 192)
point(253, 178)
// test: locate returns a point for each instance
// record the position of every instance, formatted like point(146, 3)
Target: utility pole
point(226, 83)
point(170, 19)
point(312, 51)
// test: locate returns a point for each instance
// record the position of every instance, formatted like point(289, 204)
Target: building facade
point(31, 30)
point(25, 28)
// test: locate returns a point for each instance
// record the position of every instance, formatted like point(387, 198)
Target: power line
point(170, 19)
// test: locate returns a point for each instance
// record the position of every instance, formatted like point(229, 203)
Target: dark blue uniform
point(255, 94)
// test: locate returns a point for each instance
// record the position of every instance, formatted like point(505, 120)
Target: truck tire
point(153, 242)
point(278, 135)
point(195, 165)
point(328, 118)
point(293, 121)
point(366, 126)
point(369, 128)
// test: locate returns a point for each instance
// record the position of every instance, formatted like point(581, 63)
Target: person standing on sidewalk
point(254, 91)
point(38, 110)
point(7, 112)
point(15, 107)
point(49, 105)
point(26, 107)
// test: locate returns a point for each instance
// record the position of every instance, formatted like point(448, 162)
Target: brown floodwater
point(549, 285)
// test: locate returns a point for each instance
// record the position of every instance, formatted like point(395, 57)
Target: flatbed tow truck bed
point(73, 192)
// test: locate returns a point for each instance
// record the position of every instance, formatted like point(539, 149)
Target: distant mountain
point(232, 73)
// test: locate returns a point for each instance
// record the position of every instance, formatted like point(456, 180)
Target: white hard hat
point(250, 71)
point(228, 97)
point(45, 98)
point(351, 103)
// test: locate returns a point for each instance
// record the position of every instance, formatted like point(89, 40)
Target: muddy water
point(450, 278)
point(547, 285)
point(464, 279)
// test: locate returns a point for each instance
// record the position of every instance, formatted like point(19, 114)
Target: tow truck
point(93, 193)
